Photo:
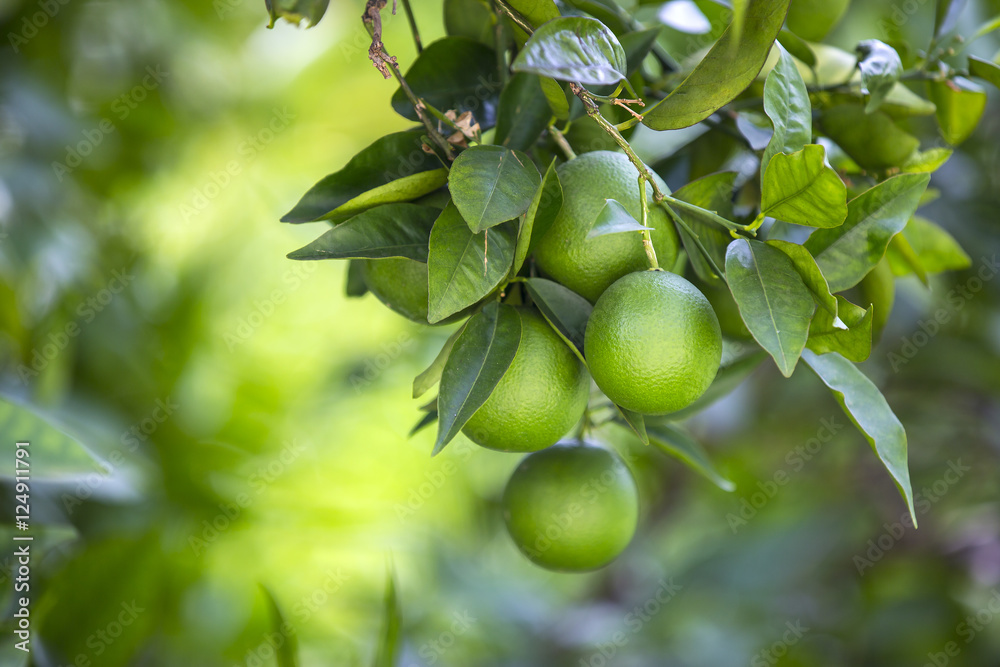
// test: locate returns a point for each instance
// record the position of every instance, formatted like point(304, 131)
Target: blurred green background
point(208, 417)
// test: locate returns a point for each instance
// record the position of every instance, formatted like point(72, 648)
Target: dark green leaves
point(864, 404)
point(614, 219)
point(453, 73)
point(786, 103)
point(392, 230)
point(393, 169)
point(847, 253)
point(960, 104)
point(985, 69)
point(800, 188)
point(463, 267)
point(564, 309)
point(679, 444)
point(880, 69)
point(574, 48)
point(730, 66)
point(524, 112)
point(492, 184)
point(538, 219)
point(774, 302)
point(478, 360)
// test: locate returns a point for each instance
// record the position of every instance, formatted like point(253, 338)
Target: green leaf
point(866, 407)
point(871, 139)
point(985, 29)
point(393, 169)
point(634, 421)
point(294, 11)
point(786, 103)
point(354, 285)
point(724, 73)
point(774, 302)
point(813, 19)
point(492, 184)
point(286, 653)
point(480, 357)
point(54, 451)
point(798, 47)
point(800, 188)
point(707, 248)
point(637, 46)
point(614, 219)
point(880, 69)
point(564, 309)
point(678, 443)
point(946, 13)
point(425, 421)
point(960, 104)
point(391, 230)
point(730, 376)
point(574, 48)
point(852, 338)
point(453, 73)
point(538, 219)
point(935, 249)
point(985, 69)
point(523, 114)
point(463, 267)
point(432, 375)
point(926, 162)
point(809, 271)
point(901, 250)
point(536, 12)
point(555, 95)
point(473, 19)
point(847, 253)
point(387, 650)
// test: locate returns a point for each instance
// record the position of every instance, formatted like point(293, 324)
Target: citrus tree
point(530, 204)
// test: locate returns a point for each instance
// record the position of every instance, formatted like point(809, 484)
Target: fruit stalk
point(647, 239)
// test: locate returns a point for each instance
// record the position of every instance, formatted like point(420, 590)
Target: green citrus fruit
point(589, 266)
point(541, 396)
point(653, 342)
point(401, 284)
point(571, 507)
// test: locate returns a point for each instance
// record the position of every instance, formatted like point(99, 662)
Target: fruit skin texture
point(653, 342)
point(571, 507)
point(589, 266)
point(541, 396)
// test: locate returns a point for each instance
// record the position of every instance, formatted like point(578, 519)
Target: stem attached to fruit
point(647, 239)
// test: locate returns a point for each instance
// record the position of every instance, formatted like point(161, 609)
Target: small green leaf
point(287, 650)
point(847, 253)
point(800, 188)
point(480, 357)
point(935, 249)
point(463, 267)
point(798, 47)
point(985, 70)
point(960, 104)
point(637, 46)
point(866, 407)
point(523, 114)
point(872, 140)
point(425, 421)
point(294, 11)
point(492, 184)
point(541, 213)
point(387, 650)
point(851, 339)
point(813, 19)
point(614, 219)
point(707, 249)
point(926, 162)
point(574, 48)
point(678, 443)
point(880, 69)
point(786, 103)
point(725, 72)
point(453, 73)
point(393, 169)
point(634, 421)
point(354, 285)
point(810, 273)
point(774, 302)
point(564, 309)
point(555, 95)
point(432, 375)
point(901, 251)
point(391, 230)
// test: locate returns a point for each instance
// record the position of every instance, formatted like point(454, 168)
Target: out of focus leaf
point(872, 140)
point(880, 69)
point(678, 443)
point(946, 13)
point(294, 11)
point(637, 46)
point(286, 652)
point(636, 422)
point(387, 649)
point(574, 48)
point(492, 184)
point(473, 19)
point(813, 19)
point(960, 104)
point(799, 188)
point(797, 46)
point(935, 249)
point(432, 375)
point(355, 284)
point(391, 230)
point(786, 103)
point(523, 114)
point(713, 192)
point(985, 70)
point(564, 309)
point(928, 161)
point(426, 420)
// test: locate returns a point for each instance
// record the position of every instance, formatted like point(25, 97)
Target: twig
point(413, 26)
point(624, 105)
point(515, 17)
point(560, 140)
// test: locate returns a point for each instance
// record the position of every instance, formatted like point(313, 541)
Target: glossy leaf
point(985, 70)
point(392, 230)
point(634, 421)
point(523, 114)
point(614, 219)
point(872, 140)
point(574, 48)
point(773, 300)
point(388, 645)
point(564, 309)
point(453, 73)
point(463, 267)
point(707, 248)
point(786, 103)
point(960, 104)
point(480, 357)
point(809, 271)
point(286, 653)
point(678, 443)
point(729, 67)
point(492, 184)
point(432, 374)
point(539, 217)
point(393, 169)
point(800, 188)
point(866, 407)
point(880, 69)
point(847, 253)
point(934, 249)
point(848, 334)
point(928, 161)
